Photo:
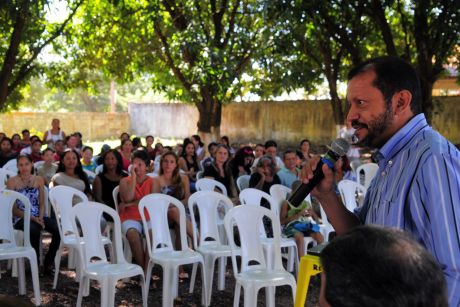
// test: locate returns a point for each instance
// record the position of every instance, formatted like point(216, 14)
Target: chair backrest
point(8, 199)
point(11, 165)
point(61, 198)
point(354, 164)
point(91, 175)
point(279, 192)
point(99, 169)
point(37, 165)
point(348, 189)
point(365, 173)
point(247, 219)
point(199, 175)
point(159, 239)
point(88, 233)
point(251, 196)
point(242, 182)
point(115, 192)
point(4, 176)
point(208, 184)
point(208, 204)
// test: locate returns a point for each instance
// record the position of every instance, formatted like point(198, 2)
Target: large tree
point(195, 51)
point(25, 32)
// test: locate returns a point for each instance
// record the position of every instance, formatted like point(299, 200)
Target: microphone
point(338, 148)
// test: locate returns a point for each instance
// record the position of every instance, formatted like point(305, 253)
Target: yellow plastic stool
point(309, 266)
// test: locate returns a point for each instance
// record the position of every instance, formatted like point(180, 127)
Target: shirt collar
point(401, 137)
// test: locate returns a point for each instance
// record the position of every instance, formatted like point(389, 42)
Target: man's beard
point(375, 129)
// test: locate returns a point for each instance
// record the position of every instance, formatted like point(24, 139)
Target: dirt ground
point(129, 293)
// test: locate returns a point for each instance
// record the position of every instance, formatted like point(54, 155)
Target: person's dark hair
point(227, 141)
point(270, 143)
point(137, 141)
point(198, 139)
point(393, 74)
point(123, 134)
point(176, 180)
point(210, 145)
point(141, 154)
point(184, 151)
point(299, 154)
point(288, 151)
point(272, 165)
point(59, 141)
point(149, 136)
point(36, 141)
point(15, 134)
point(238, 160)
point(78, 169)
point(7, 139)
point(86, 148)
point(25, 156)
point(374, 266)
point(124, 141)
point(119, 168)
point(25, 131)
point(33, 138)
point(303, 141)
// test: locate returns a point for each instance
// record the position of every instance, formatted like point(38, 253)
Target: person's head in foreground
point(375, 266)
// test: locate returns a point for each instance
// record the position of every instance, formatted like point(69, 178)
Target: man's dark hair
point(375, 266)
point(210, 145)
point(270, 143)
point(288, 151)
point(141, 154)
point(25, 131)
point(393, 74)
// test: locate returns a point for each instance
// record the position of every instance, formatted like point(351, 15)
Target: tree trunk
point(210, 116)
point(12, 52)
point(427, 99)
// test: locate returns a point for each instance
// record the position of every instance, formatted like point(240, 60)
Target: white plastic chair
point(208, 184)
point(348, 191)
point(253, 197)
point(93, 258)
point(61, 198)
point(126, 247)
point(210, 245)
point(12, 166)
point(326, 227)
point(99, 169)
point(9, 249)
point(91, 175)
point(242, 182)
point(365, 173)
point(160, 246)
point(256, 271)
point(199, 175)
point(4, 176)
point(37, 165)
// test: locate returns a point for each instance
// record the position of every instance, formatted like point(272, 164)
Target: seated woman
point(189, 164)
point(108, 179)
point(6, 151)
point(199, 147)
point(126, 149)
point(174, 184)
point(297, 223)
point(132, 189)
point(54, 134)
point(87, 161)
point(242, 162)
point(17, 145)
point(219, 170)
point(48, 168)
point(32, 187)
point(70, 173)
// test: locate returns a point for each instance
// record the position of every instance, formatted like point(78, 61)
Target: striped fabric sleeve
point(435, 210)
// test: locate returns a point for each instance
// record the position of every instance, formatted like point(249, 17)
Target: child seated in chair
point(297, 222)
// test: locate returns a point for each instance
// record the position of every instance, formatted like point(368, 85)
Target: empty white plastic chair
point(256, 271)
point(160, 246)
point(99, 169)
point(349, 191)
point(242, 182)
point(93, 258)
point(209, 244)
point(365, 173)
point(208, 184)
point(91, 175)
point(4, 176)
point(199, 175)
point(9, 249)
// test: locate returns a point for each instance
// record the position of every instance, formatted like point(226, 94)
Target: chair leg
point(167, 299)
point(269, 296)
point(57, 263)
point(35, 281)
point(236, 297)
point(148, 276)
point(105, 292)
point(21, 276)
point(144, 290)
point(208, 275)
point(205, 300)
point(222, 270)
point(250, 296)
point(192, 279)
point(81, 289)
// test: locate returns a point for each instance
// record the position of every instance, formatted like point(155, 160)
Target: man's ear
point(402, 101)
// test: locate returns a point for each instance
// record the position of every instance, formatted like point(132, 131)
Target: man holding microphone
point(417, 187)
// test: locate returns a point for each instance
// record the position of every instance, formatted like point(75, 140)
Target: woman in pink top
point(132, 189)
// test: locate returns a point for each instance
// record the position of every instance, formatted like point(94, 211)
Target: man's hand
point(326, 185)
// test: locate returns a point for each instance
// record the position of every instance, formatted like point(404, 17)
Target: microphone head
point(340, 146)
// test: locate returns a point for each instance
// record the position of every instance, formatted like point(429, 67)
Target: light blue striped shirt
point(417, 188)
